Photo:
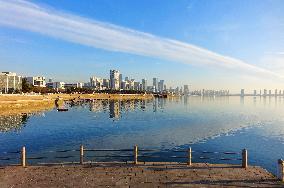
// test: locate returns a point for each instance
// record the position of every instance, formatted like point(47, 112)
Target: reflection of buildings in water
point(143, 104)
point(115, 106)
point(242, 100)
point(158, 103)
point(114, 109)
point(185, 100)
point(161, 103)
point(155, 105)
point(12, 122)
point(96, 106)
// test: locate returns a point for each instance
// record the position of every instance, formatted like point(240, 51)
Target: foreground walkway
point(143, 175)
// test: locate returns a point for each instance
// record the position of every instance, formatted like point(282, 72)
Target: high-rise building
point(155, 84)
point(242, 92)
point(120, 80)
point(144, 84)
point(106, 83)
point(10, 82)
point(161, 86)
point(96, 83)
point(186, 90)
point(254, 93)
point(114, 79)
point(264, 92)
point(137, 86)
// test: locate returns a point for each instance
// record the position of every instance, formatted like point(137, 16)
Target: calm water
point(205, 124)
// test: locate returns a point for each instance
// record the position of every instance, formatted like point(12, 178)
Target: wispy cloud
point(29, 16)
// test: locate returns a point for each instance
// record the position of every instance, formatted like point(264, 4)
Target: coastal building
point(105, 83)
point(155, 84)
point(123, 85)
point(114, 79)
point(73, 85)
point(137, 86)
point(161, 86)
point(56, 85)
point(186, 90)
point(120, 80)
point(10, 82)
point(131, 84)
point(37, 81)
point(254, 93)
point(96, 83)
point(144, 84)
point(264, 92)
point(242, 92)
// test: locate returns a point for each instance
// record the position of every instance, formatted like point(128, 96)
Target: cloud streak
point(29, 16)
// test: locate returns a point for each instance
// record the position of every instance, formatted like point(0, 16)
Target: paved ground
point(144, 175)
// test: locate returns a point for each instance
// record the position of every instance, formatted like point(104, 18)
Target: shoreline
point(17, 104)
point(150, 174)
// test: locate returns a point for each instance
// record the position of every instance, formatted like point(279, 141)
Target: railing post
point(280, 170)
point(81, 154)
point(244, 158)
point(135, 152)
point(23, 156)
point(189, 156)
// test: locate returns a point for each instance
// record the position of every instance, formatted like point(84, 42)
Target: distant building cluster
point(10, 82)
point(117, 82)
point(204, 92)
point(263, 93)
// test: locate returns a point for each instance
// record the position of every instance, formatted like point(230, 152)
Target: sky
point(226, 44)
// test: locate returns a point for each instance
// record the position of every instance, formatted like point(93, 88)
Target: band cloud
point(46, 21)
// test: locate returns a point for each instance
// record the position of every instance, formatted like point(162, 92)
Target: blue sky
point(250, 32)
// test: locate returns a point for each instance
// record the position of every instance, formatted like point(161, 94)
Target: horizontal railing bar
point(108, 149)
point(6, 159)
point(64, 157)
point(149, 156)
point(34, 158)
point(216, 152)
point(6, 152)
point(107, 156)
point(177, 157)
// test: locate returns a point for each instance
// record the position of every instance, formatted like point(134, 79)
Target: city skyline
point(228, 51)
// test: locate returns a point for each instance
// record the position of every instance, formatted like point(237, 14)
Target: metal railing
point(137, 155)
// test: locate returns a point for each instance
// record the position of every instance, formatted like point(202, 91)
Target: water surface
point(203, 123)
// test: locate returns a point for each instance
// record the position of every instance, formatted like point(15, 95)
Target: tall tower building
point(114, 79)
point(186, 90)
point(242, 92)
point(144, 84)
point(161, 86)
point(155, 84)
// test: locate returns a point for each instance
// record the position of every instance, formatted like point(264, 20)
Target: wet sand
point(141, 175)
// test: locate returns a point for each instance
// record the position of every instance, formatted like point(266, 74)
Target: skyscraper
point(186, 90)
point(155, 84)
point(161, 86)
point(144, 84)
point(242, 92)
point(114, 79)
point(120, 80)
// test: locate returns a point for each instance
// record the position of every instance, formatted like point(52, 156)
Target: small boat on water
point(62, 109)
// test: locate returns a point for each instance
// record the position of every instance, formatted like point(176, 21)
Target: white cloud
point(28, 16)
